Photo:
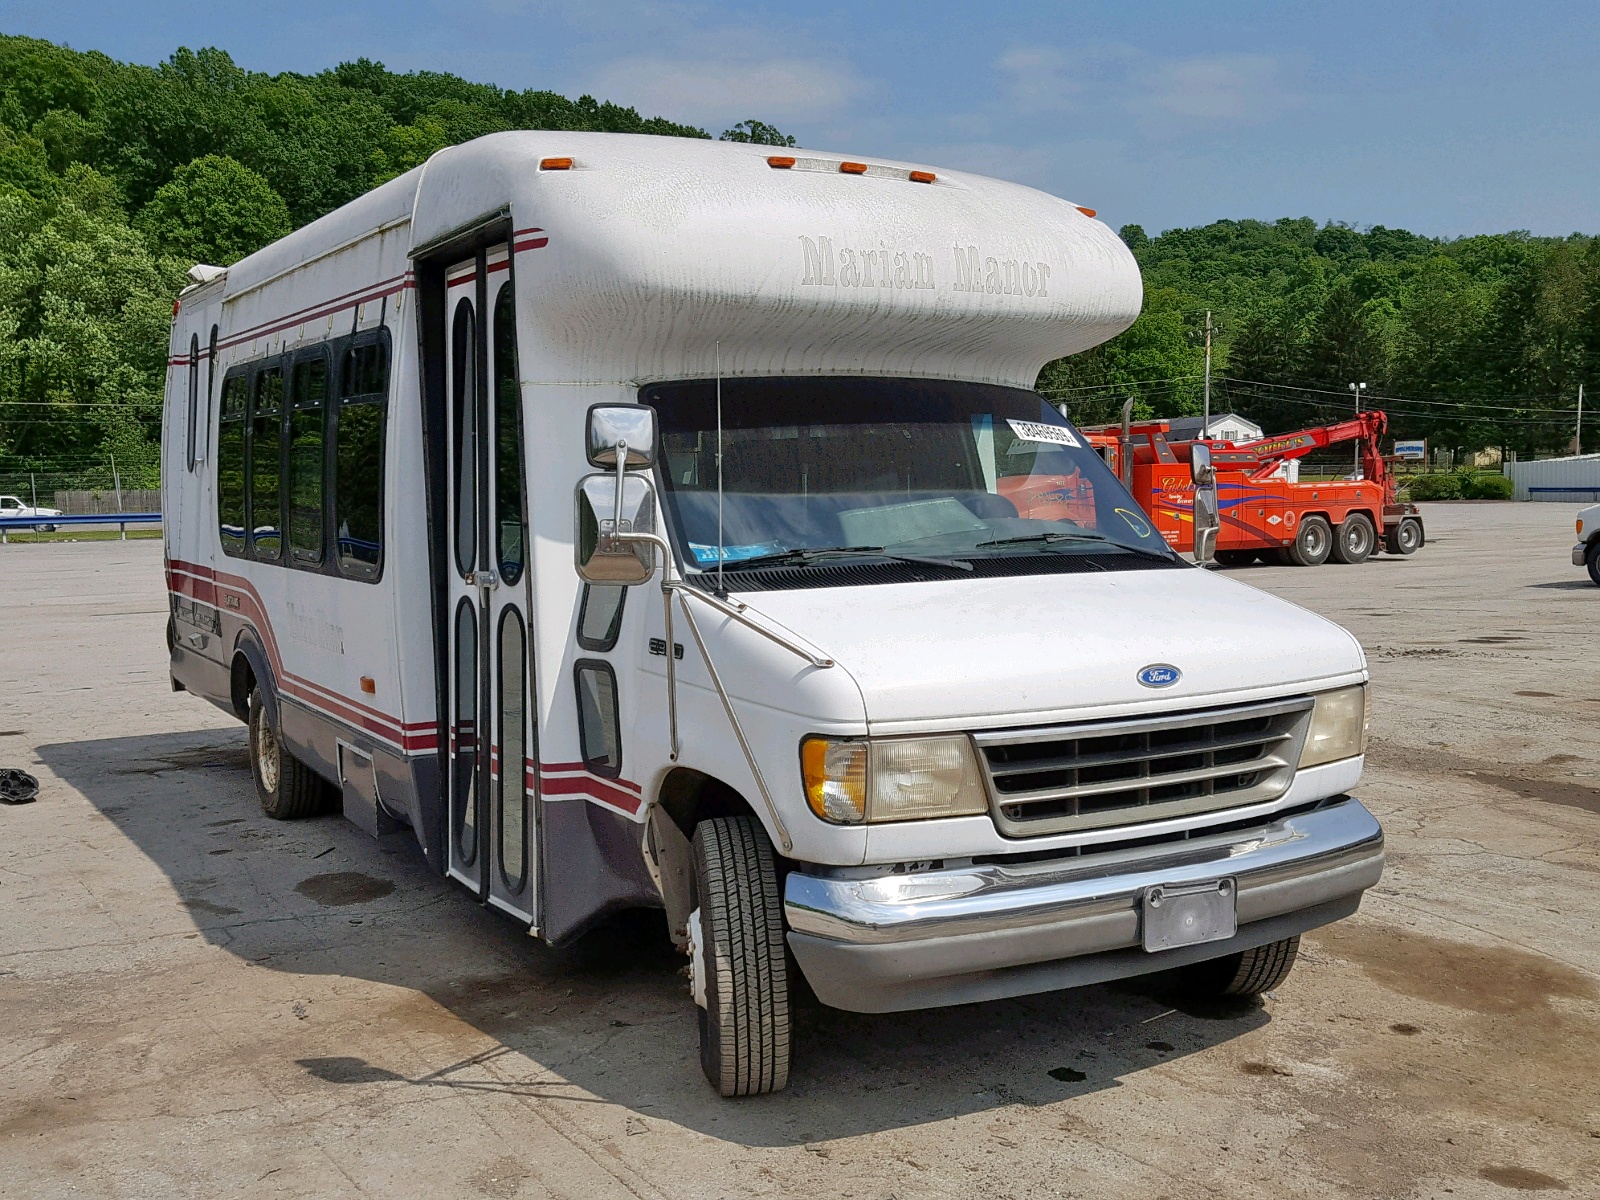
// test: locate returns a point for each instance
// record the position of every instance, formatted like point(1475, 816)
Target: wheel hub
point(697, 970)
point(267, 755)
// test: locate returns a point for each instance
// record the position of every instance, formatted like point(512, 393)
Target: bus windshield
point(822, 469)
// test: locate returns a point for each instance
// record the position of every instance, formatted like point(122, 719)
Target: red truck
point(1264, 515)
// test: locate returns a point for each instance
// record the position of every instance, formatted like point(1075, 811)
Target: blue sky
point(1443, 118)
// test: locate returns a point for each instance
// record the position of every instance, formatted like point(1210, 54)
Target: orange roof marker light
point(923, 177)
point(1088, 212)
point(555, 164)
point(853, 168)
point(781, 161)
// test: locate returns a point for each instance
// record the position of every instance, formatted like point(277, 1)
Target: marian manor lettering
point(864, 268)
point(849, 266)
point(1000, 276)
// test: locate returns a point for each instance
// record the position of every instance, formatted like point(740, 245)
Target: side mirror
point(598, 558)
point(1207, 514)
point(613, 426)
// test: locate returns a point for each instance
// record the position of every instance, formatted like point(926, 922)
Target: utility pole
point(1205, 428)
point(1577, 436)
point(1358, 388)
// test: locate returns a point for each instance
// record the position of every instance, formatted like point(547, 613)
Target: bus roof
point(651, 256)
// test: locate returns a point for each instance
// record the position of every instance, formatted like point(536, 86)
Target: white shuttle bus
point(652, 522)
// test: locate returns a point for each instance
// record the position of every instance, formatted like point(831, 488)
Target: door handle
point(486, 579)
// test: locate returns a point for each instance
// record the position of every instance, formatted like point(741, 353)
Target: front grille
point(1111, 773)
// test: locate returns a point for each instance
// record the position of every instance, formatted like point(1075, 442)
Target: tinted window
point(508, 440)
point(358, 449)
point(230, 463)
point(600, 618)
point(512, 793)
point(599, 725)
point(307, 434)
point(194, 395)
point(266, 467)
point(464, 401)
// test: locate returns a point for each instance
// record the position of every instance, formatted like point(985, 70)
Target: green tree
point(758, 132)
point(214, 210)
point(1156, 361)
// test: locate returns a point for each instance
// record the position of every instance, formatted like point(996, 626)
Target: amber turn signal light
point(555, 164)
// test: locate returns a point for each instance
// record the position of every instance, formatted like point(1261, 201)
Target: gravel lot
point(198, 1001)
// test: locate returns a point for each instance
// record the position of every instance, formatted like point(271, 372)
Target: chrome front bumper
point(887, 942)
point(1580, 554)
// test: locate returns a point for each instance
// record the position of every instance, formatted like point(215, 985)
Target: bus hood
point(1037, 649)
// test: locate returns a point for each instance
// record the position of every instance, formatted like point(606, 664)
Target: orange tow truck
point(1264, 515)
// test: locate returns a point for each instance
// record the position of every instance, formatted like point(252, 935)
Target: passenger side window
point(599, 723)
point(600, 617)
point(359, 463)
point(231, 463)
point(307, 437)
point(265, 504)
point(194, 396)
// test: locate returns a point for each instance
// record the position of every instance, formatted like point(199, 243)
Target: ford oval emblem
point(1158, 675)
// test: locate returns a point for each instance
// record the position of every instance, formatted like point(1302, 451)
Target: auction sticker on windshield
point(1037, 431)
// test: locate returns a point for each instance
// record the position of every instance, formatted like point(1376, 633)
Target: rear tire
point(1355, 540)
point(1313, 542)
point(1591, 560)
point(1248, 973)
point(1235, 558)
point(741, 961)
point(1404, 538)
point(286, 787)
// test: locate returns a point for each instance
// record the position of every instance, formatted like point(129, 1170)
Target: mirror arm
point(785, 842)
point(622, 478)
point(735, 611)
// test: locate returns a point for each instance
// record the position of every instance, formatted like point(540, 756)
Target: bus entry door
point(493, 757)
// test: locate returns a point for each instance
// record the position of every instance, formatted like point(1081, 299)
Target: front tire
point(286, 787)
point(741, 968)
point(1313, 542)
point(1591, 560)
point(1235, 558)
point(1355, 540)
point(1248, 973)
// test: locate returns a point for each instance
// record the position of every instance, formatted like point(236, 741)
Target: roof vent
point(200, 273)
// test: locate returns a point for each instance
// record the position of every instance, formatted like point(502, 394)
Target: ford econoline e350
point(650, 522)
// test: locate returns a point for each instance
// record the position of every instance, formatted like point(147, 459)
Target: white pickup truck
point(10, 506)
point(1587, 552)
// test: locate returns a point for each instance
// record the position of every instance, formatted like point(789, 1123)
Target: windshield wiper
point(1045, 539)
point(805, 556)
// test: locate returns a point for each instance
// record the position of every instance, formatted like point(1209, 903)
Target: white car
point(1587, 552)
point(10, 506)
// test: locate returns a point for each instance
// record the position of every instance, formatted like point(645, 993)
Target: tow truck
point(1262, 514)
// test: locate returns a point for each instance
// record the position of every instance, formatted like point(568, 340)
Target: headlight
point(900, 779)
point(1338, 726)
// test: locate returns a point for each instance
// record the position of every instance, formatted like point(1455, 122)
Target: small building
point(1224, 427)
point(1228, 427)
point(1571, 480)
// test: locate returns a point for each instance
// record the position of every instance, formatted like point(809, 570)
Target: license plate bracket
point(1188, 914)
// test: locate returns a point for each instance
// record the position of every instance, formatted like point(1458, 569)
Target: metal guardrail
point(121, 520)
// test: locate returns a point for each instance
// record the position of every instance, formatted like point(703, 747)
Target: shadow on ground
point(609, 1016)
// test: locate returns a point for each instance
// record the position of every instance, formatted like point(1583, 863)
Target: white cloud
point(719, 92)
point(1039, 79)
point(1229, 87)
